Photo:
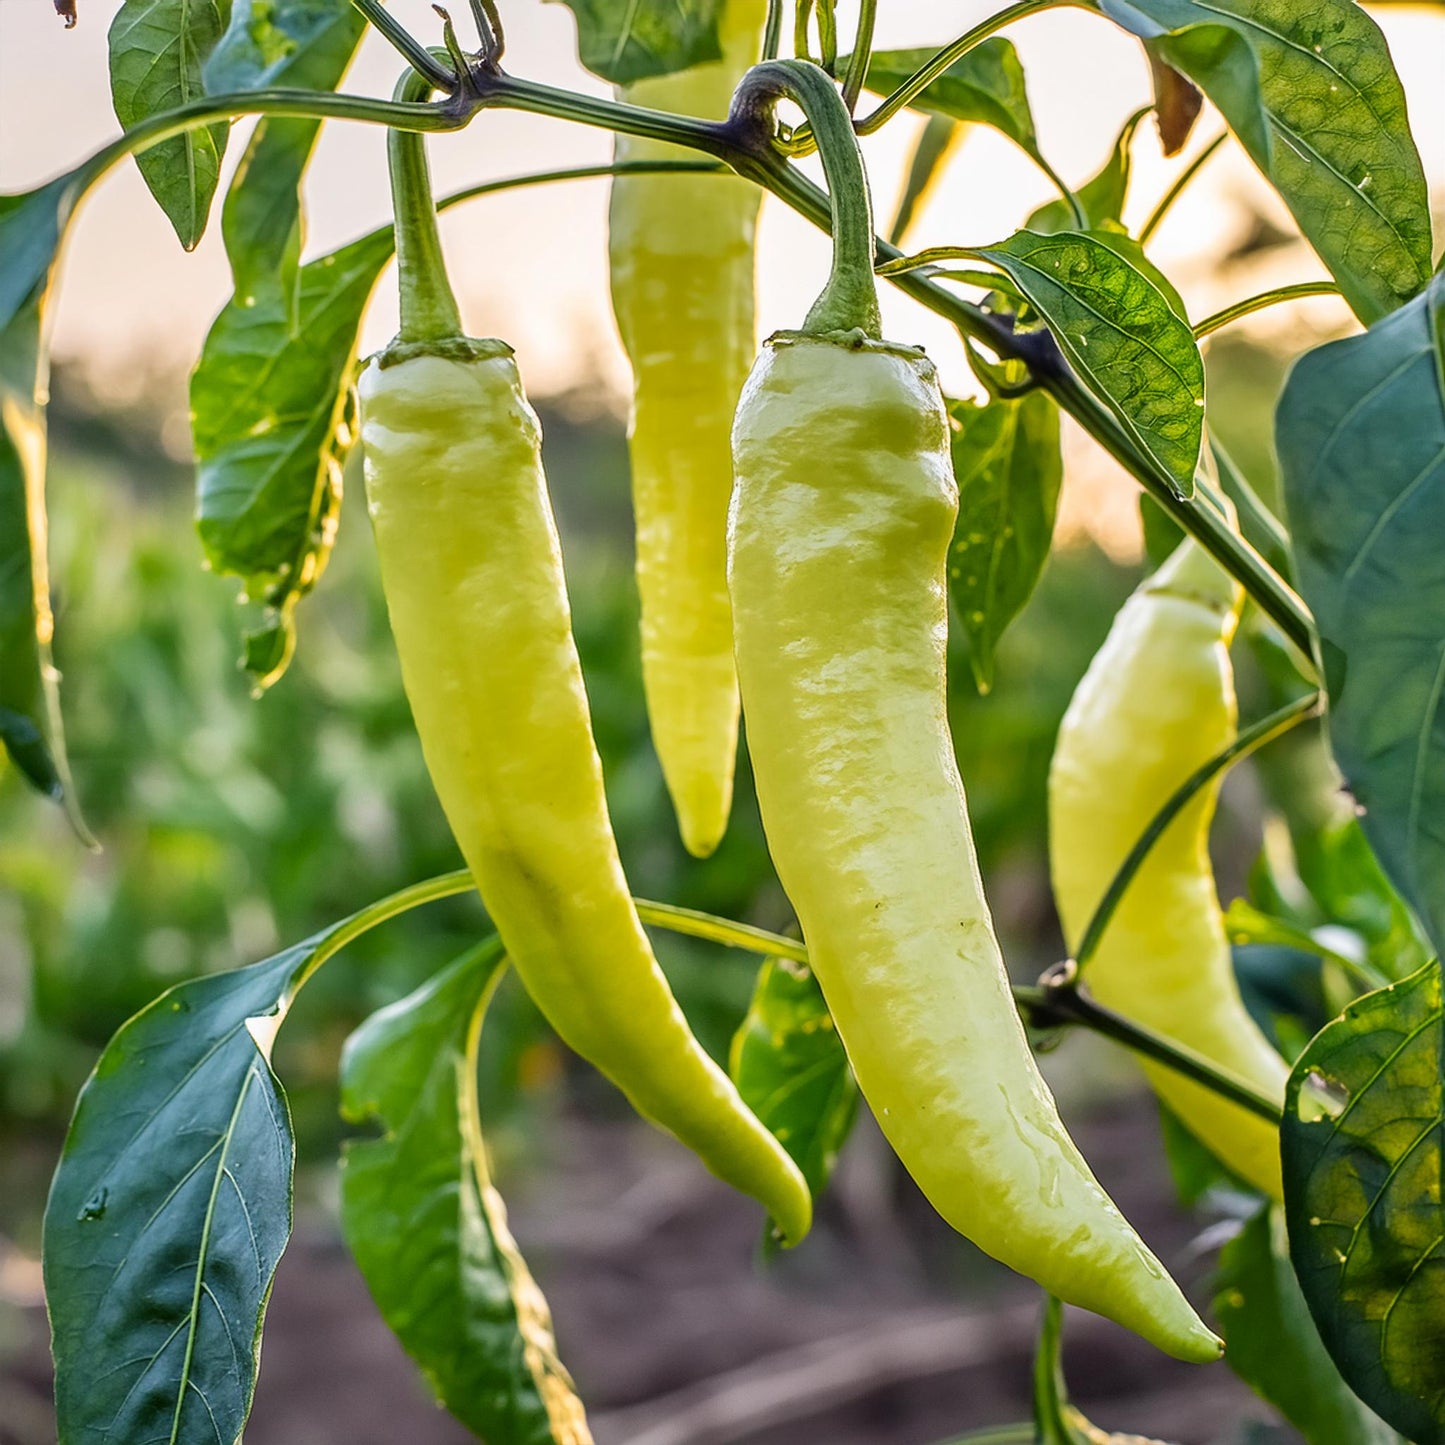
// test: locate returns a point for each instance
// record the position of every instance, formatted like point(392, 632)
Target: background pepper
point(1157, 703)
point(472, 574)
point(842, 516)
point(681, 250)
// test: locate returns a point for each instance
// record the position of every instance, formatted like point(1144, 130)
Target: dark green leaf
point(1311, 92)
point(304, 43)
point(429, 1230)
point(1272, 1343)
point(271, 418)
point(1007, 460)
point(158, 49)
point(1361, 1144)
point(1121, 333)
point(1102, 197)
point(1360, 433)
point(169, 1212)
point(627, 40)
point(986, 85)
point(937, 141)
point(788, 1063)
point(31, 731)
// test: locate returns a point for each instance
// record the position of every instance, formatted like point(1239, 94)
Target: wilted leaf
point(1176, 103)
point(1312, 94)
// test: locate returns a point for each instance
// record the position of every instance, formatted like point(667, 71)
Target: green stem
point(802, 14)
point(719, 930)
point(849, 302)
point(773, 30)
point(1076, 207)
point(1050, 1005)
point(1267, 589)
point(1248, 307)
point(1251, 739)
point(767, 168)
point(429, 309)
point(927, 73)
point(857, 71)
point(407, 45)
point(827, 36)
point(1065, 1003)
point(1156, 216)
point(1256, 521)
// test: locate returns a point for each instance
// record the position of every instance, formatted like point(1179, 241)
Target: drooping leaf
point(1360, 432)
point(627, 40)
point(271, 421)
point(788, 1063)
point(1121, 333)
point(1102, 196)
point(1362, 1149)
point(1272, 1343)
point(986, 85)
point(169, 1212)
point(938, 141)
point(1312, 94)
point(303, 43)
point(31, 730)
point(1177, 103)
point(158, 49)
point(429, 1230)
point(1008, 463)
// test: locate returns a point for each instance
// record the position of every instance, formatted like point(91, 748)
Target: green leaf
point(271, 419)
point(627, 40)
point(788, 1063)
point(1312, 94)
point(1102, 196)
point(31, 730)
point(1360, 433)
point(1007, 460)
point(986, 85)
point(158, 49)
point(303, 43)
point(1122, 334)
point(1361, 1142)
point(428, 1229)
point(1272, 1343)
point(169, 1212)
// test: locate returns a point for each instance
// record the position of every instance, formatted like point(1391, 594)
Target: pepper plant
point(812, 557)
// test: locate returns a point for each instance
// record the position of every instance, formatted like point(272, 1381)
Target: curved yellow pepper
point(681, 252)
point(473, 579)
point(1155, 705)
point(842, 516)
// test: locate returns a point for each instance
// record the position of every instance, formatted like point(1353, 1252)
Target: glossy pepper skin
point(474, 586)
point(842, 516)
point(681, 250)
point(1156, 704)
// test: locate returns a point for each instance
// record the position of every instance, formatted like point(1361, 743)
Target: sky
point(531, 265)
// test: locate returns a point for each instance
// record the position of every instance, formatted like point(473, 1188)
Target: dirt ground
point(882, 1330)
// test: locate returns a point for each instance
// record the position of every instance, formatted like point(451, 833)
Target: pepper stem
point(428, 305)
point(849, 302)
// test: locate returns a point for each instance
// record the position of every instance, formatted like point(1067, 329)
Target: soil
point(883, 1330)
